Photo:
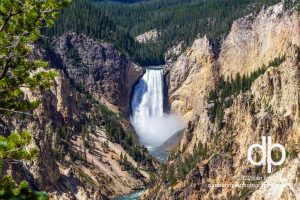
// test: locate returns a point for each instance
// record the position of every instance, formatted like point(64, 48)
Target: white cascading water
point(150, 122)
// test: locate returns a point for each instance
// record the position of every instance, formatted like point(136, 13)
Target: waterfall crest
point(150, 122)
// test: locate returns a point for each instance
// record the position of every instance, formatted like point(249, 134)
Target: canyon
point(94, 125)
point(76, 124)
point(216, 139)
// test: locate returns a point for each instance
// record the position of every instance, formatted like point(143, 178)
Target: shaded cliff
point(99, 68)
point(78, 128)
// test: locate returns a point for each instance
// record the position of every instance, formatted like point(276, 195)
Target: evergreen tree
point(20, 24)
point(121, 158)
point(225, 91)
point(176, 21)
point(125, 160)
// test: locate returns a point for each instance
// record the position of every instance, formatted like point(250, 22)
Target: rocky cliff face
point(186, 76)
point(214, 152)
point(191, 78)
point(98, 68)
point(149, 36)
point(77, 135)
point(256, 40)
point(287, 181)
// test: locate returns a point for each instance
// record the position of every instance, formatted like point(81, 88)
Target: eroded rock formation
point(98, 68)
point(79, 157)
point(270, 107)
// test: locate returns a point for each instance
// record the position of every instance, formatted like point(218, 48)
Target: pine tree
point(125, 159)
point(20, 24)
point(121, 158)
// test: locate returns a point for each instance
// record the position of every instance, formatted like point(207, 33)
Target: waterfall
point(150, 122)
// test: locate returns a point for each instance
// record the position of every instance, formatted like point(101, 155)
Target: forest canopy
point(177, 20)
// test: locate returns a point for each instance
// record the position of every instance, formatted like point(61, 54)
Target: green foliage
point(61, 145)
point(117, 134)
point(20, 24)
point(292, 4)
point(9, 190)
point(176, 20)
point(293, 151)
point(85, 17)
point(85, 136)
point(14, 147)
point(115, 131)
point(190, 161)
point(172, 174)
point(222, 97)
point(85, 178)
point(179, 20)
point(129, 167)
point(277, 61)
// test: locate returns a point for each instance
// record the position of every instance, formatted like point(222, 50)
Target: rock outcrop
point(214, 152)
point(173, 52)
point(73, 127)
point(187, 75)
point(286, 181)
point(256, 40)
point(149, 36)
point(98, 68)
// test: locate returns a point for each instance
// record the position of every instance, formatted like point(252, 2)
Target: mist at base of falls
point(150, 122)
point(158, 129)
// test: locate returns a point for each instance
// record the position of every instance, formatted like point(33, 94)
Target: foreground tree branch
point(20, 25)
